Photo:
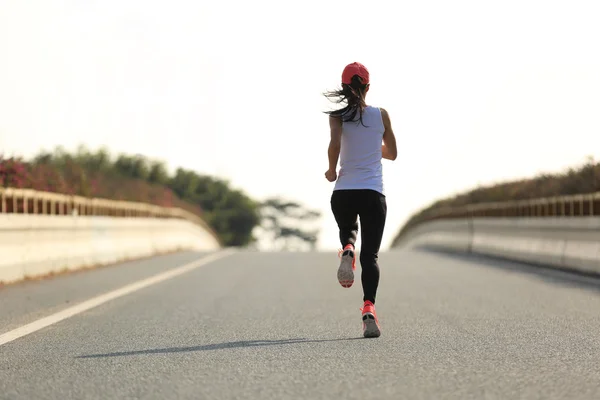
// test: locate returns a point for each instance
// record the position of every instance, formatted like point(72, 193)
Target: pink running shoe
point(347, 267)
point(371, 326)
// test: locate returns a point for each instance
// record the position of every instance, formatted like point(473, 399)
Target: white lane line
point(103, 298)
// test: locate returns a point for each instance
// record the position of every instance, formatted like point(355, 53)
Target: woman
point(361, 135)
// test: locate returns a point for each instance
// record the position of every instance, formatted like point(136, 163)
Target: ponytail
point(354, 95)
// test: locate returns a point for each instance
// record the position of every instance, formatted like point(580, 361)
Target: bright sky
point(478, 91)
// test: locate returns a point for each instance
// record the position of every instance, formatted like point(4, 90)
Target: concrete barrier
point(35, 245)
point(451, 234)
point(563, 242)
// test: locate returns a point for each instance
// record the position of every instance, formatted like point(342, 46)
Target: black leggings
point(371, 207)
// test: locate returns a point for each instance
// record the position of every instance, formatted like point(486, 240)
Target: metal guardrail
point(28, 201)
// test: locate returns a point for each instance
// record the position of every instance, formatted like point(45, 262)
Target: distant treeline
point(580, 180)
point(230, 212)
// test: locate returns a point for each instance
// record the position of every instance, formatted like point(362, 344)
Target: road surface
point(252, 325)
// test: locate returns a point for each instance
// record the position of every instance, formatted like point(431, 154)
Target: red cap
point(355, 69)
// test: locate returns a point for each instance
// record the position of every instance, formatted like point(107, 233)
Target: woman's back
point(360, 153)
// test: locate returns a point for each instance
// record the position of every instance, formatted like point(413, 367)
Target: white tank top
point(360, 153)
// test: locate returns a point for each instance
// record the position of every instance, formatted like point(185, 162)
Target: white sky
point(478, 91)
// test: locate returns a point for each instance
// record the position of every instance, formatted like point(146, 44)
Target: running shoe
point(347, 267)
point(371, 326)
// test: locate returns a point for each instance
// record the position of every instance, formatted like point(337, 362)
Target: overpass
point(493, 301)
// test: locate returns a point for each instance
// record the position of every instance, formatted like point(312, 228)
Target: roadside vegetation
point(232, 213)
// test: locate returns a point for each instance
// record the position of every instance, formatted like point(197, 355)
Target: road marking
point(103, 298)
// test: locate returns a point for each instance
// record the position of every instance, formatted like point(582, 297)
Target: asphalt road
point(278, 326)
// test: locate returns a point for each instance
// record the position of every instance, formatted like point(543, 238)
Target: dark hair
point(354, 95)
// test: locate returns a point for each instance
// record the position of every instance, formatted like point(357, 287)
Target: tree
point(133, 166)
point(230, 212)
point(158, 173)
point(184, 183)
point(282, 221)
point(93, 162)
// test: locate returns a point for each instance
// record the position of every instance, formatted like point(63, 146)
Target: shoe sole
point(370, 326)
point(345, 272)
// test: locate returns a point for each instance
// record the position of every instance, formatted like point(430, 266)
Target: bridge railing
point(557, 206)
point(28, 201)
point(558, 231)
point(579, 205)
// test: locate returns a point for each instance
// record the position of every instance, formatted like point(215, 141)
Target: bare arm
point(388, 149)
point(335, 142)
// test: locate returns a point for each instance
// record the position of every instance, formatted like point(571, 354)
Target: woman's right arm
point(335, 144)
point(388, 149)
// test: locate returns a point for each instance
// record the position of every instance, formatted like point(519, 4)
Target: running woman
point(361, 135)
